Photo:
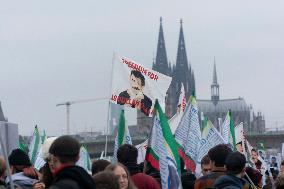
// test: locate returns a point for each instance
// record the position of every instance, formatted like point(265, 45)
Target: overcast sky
point(55, 51)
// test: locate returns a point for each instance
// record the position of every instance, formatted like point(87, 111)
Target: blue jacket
point(229, 182)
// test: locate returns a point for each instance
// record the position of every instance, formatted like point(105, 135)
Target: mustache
point(136, 88)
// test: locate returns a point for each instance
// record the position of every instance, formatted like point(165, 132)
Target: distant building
point(9, 133)
point(181, 73)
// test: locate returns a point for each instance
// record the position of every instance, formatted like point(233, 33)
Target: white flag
point(174, 121)
point(210, 138)
point(141, 148)
point(136, 86)
point(84, 159)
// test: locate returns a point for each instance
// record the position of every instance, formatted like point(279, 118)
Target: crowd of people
point(220, 168)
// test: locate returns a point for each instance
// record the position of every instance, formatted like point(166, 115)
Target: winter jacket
point(73, 177)
point(229, 182)
point(21, 181)
point(207, 181)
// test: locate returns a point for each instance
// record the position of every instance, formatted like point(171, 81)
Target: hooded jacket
point(21, 181)
point(229, 182)
point(73, 177)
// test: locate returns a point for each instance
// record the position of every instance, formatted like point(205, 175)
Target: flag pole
point(109, 103)
point(7, 162)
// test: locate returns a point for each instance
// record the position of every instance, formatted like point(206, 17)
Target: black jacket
point(73, 177)
point(229, 182)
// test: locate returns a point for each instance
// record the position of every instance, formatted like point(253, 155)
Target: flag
point(188, 135)
point(123, 136)
point(228, 130)
point(141, 148)
point(162, 149)
point(240, 138)
point(84, 160)
point(39, 162)
point(174, 121)
point(34, 145)
point(44, 137)
point(136, 86)
point(23, 146)
point(210, 138)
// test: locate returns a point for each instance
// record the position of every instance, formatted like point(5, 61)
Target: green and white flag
point(34, 145)
point(123, 136)
point(210, 138)
point(84, 160)
point(163, 150)
point(39, 162)
point(228, 131)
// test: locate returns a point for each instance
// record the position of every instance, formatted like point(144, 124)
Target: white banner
point(240, 138)
point(210, 138)
point(136, 86)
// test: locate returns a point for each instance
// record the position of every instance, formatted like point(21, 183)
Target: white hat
point(45, 147)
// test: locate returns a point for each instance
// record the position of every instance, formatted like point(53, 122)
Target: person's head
point(205, 165)
point(2, 168)
point(235, 164)
point(188, 180)
point(273, 159)
point(258, 164)
point(64, 150)
point(45, 151)
point(255, 176)
point(127, 153)
point(137, 81)
point(279, 182)
point(106, 180)
point(122, 175)
point(18, 160)
point(282, 167)
point(99, 165)
point(254, 155)
point(218, 155)
point(239, 147)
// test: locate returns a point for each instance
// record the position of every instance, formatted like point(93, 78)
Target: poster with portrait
point(135, 86)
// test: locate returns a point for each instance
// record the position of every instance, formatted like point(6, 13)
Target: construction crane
point(68, 105)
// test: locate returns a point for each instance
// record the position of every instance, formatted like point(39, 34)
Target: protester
point(64, 153)
point(279, 182)
point(205, 165)
point(123, 176)
point(127, 155)
point(187, 180)
point(19, 163)
point(46, 171)
point(2, 173)
point(235, 165)
point(255, 176)
point(282, 168)
point(217, 155)
point(99, 165)
point(106, 180)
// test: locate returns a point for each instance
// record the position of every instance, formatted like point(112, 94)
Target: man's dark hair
point(127, 154)
point(235, 163)
point(106, 180)
point(139, 75)
point(66, 149)
point(254, 150)
point(99, 165)
point(205, 160)
point(218, 154)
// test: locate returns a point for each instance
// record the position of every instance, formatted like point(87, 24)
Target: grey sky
point(55, 51)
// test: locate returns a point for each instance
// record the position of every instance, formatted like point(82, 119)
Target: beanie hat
point(19, 157)
point(65, 146)
point(45, 147)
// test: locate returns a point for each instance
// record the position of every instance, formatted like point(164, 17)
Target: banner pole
point(109, 103)
point(6, 161)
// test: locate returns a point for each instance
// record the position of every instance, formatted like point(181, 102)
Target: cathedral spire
point(215, 86)
point(161, 62)
point(181, 54)
point(214, 73)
